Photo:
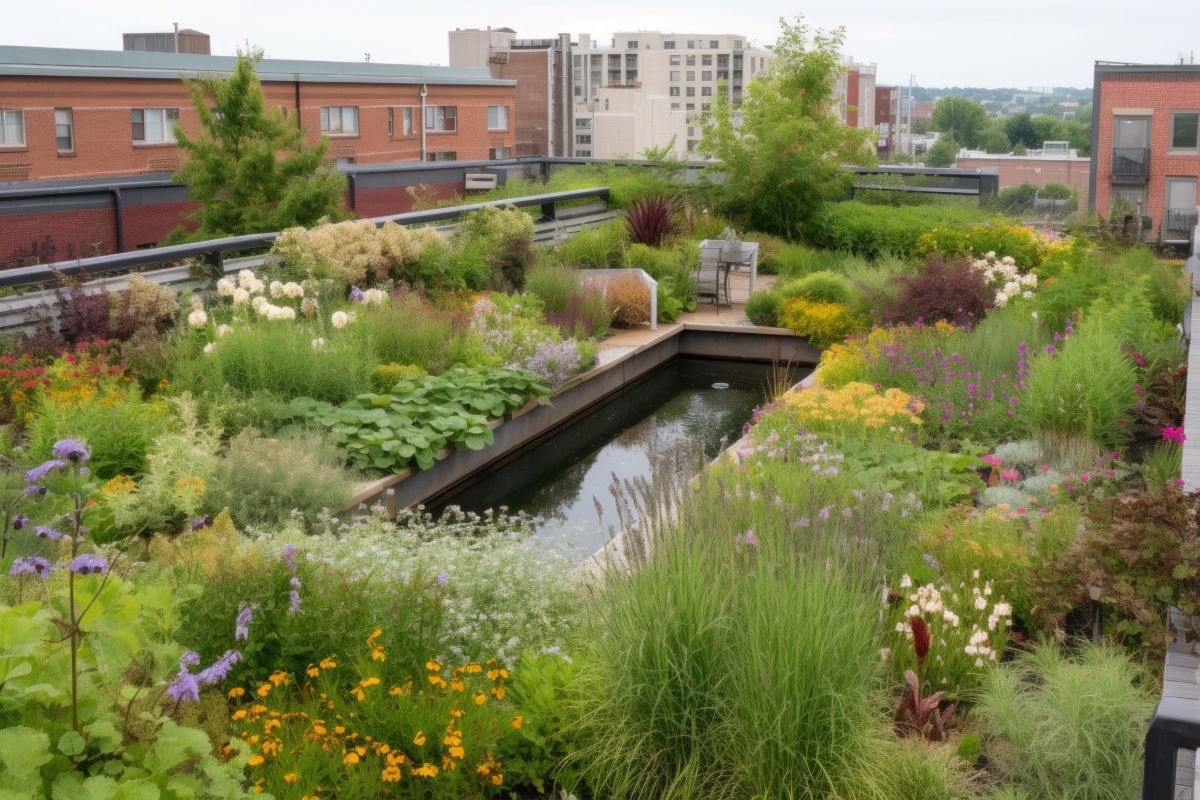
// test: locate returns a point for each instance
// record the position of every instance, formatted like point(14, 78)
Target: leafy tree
point(960, 117)
point(944, 152)
point(1020, 130)
point(248, 167)
point(993, 140)
point(781, 153)
point(1047, 128)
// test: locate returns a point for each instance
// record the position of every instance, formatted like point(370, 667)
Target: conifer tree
point(248, 166)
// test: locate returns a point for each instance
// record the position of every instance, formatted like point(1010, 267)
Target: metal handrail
point(215, 249)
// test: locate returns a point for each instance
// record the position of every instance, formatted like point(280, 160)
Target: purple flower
point(30, 565)
point(295, 583)
point(39, 472)
point(72, 450)
point(801, 523)
point(1171, 434)
point(32, 490)
point(748, 538)
point(189, 659)
point(443, 579)
point(847, 512)
point(356, 294)
point(289, 555)
point(293, 602)
point(931, 562)
point(555, 362)
point(89, 564)
point(184, 688)
point(200, 523)
point(241, 630)
point(824, 513)
point(46, 532)
point(19, 521)
point(1050, 350)
point(219, 670)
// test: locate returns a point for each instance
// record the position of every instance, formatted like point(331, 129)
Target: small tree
point(944, 152)
point(247, 166)
point(960, 117)
point(781, 153)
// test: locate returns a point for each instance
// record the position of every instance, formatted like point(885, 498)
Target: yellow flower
point(419, 739)
point(377, 654)
point(264, 690)
point(278, 677)
point(256, 761)
point(270, 725)
point(480, 698)
point(350, 759)
point(456, 751)
point(426, 770)
point(121, 484)
point(456, 713)
point(327, 663)
point(313, 671)
point(498, 692)
point(239, 714)
point(457, 686)
point(390, 774)
point(497, 779)
point(474, 668)
point(290, 777)
point(438, 681)
point(401, 691)
point(433, 666)
point(236, 692)
point(518, 721)
point(375, 634)
point(190, 483)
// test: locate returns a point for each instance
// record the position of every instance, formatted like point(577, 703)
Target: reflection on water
point(676, 411)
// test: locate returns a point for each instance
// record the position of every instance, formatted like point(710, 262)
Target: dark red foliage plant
point(919, 715)
point(949, 289)
point(650, 220)
point(921, 638)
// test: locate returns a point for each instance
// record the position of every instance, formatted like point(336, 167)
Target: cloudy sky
point(1017, 43)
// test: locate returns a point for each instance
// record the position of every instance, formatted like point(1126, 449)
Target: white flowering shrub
point(502, 591)
point(1003, 275)
point(967, 628)
point(351, 253)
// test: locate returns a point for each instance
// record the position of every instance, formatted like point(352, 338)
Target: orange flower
point(236, 692)
point(518, 721)
point(419, 739)
point(480, 698)
point(290, 777)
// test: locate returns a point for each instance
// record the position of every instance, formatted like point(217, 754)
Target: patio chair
point(712, 278)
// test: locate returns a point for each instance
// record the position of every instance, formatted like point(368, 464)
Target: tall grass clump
point(731, 663)
point(1087, 388)
point(553, 284)
point(406, 330)
point(1067, 728)
point(281, 359)
point(596, 248)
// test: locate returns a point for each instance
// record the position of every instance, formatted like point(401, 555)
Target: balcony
point(1131, 164)
point(631, 84)
point(1179, 224)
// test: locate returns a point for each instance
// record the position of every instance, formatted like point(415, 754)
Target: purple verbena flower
point(219, 670)
point(189, 659)
point(289, 555)
point(443, 580)
point(72, 450)
point(184, 688)
point(46, 532)
point(89, 564)
point(30, 565)
point(293, 602)
point(241, 630)
point(356, 294)
point(39, 472)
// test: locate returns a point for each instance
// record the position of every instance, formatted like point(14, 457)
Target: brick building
point(1039, 169)
point(855, 92)
point(101, 113)
point(1146, 143)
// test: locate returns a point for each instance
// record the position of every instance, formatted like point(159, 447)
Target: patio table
point(736, 254)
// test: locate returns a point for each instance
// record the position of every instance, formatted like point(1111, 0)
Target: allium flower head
point(72, 450)
point(339, 319)
point(197, 319)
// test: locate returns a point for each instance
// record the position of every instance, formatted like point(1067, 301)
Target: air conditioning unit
point(481, 181)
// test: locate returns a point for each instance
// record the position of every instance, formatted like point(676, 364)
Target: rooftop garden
point(939, 569)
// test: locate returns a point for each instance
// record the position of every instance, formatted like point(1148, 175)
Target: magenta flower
point(992, 459)
point(1010, 475)
point(748, 538)
point(1176, 435)
point(1043, 467)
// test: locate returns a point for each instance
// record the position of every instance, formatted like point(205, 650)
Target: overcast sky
point(1017, 43)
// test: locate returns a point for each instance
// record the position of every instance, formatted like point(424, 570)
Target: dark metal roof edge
point(1103, 67)
point(74, 71)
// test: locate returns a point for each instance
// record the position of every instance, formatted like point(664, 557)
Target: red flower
point(921, 637)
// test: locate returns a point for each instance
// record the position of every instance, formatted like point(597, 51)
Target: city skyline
point(1020, 44)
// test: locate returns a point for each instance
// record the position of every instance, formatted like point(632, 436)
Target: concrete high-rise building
point(640, 91)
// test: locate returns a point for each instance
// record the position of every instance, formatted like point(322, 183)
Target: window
point(691, 91)
point(1134, 194)
point(737, 44)
point(1185, 130)
point(583, 153)
point(691, 106)
point(442, 155)
point(1180, 216)
point(691, 61)
point(583, 138)
point(706, 91)
point(408, 121)
point(152, 125)
point(674, 91)
point(64, 130)
point(12, 128)
point(674, 106)
point(691, 74)
point(391, 122)
point(714, 44)
point(674, 75)
point(669, 44)
point(706, 75)
point(583, 122)
point(444, 119)
point(339, 120)
point(675, 61)
point(706, 60)
point(632, 45)
point(497, 118)
point(499, 152)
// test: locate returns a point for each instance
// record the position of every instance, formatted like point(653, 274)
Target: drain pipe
point(424, 93)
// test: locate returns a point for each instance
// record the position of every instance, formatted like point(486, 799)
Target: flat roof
point(1123, 66)
point(65, 62)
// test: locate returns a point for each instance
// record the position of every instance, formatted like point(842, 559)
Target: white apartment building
point(855, 93)
point(648, 89)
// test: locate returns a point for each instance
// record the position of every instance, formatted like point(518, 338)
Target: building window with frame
point(674, 106)
point(339, 120)
point(674, 91)
point(706, 61)
point(673, 75)
point(706, 91)
point(706, 75)
point(12, 128)
point(675, 61)
point(691, 74)
point(441, 119)
point(691, 107)
point(583, 122)
point(64, 130)
point(583, 138)
point(153, 125)
point(1179, 217)
point(631, 45)
point(443, 155)
point(714, 44)
point(499, 152)
point(407, 121)
point(583, 153)
point(691, 91)
point(691, 61)
point(669, 44)
point(391, 122)
point(497, 118)
point(692, 44)
point(1185, 130)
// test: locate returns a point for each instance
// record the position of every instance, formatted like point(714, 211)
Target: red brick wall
point(530, 69)
point(397, 200)
point(852, 98)
point(1038, 171)
point(1159, 93)
point(88, 231)
point(103, 135)
point(149, 224)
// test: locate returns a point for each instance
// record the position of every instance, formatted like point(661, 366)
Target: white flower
point(276, 289)
point(980, 602)
point(1027, 294)
point(339, 320)
point(224, 330)
point(197, 319)
point(257, 287)
point(320, 343)
point(259, 303)
point(208, 348)
point(240, 296)
point(1033, 315)
point(374, 297)
point(905, 581)
point(293, 289)
point(885, 653)
point(246, 279)
point(225, 287)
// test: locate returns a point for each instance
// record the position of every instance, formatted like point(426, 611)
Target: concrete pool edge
point(535, 422)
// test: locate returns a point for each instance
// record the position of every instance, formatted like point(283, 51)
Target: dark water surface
point(677, 409)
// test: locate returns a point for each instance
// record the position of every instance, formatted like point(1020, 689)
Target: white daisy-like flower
point(240, 296)
point(225, 287)
point(339, 319)
point(224, 330)
point(208, 348)
point(197, 319)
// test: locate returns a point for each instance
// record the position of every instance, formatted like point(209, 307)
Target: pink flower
point(992, 459)
point(1179, 481)
point(749, 538)
point(1043, 467)
point(1021, 509)
point(1171, 434)
point(1084, 477)
point(1010, 475)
